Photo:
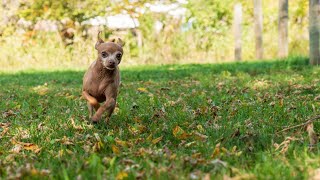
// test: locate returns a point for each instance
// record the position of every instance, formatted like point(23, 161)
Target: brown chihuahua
point(102, 79)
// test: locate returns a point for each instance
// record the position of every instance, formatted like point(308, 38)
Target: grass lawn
point(172, 122)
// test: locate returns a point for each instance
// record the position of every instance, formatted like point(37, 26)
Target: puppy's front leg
point(108, 106)
point(91, 100)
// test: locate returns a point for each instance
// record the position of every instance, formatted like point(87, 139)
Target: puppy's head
point(109, 53)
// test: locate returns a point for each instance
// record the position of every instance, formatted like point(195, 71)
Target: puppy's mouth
point(110, 68)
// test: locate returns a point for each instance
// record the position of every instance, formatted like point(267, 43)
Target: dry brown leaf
point(77, 127)
point(313, 138)
point(5, 130)
point(65, 140)
point(200, 136)
point(4, 125)
point(27, 146)
point(121, 143)
point(179, 133)
point(284, 146)
point(115, 149)
point(216, 151)
point(8, 114)
point(41, 89)
point(97, 146)
point(17, 148)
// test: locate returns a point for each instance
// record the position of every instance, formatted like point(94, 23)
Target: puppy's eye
point(119, 56)
point(104, 54)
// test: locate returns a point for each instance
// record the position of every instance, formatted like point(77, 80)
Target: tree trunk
point(314, 23)
point(258, 28)
point(283, 28)
point(237, 31)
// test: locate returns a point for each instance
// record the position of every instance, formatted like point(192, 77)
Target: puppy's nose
point(111, 63)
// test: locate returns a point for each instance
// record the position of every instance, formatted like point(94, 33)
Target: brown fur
point(102, 79)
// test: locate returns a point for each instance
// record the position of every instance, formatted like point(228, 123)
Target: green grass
point(190, 108)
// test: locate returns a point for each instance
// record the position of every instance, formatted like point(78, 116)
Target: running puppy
point(102, 79)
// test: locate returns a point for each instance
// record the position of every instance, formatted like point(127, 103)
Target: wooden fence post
point(314, 23)
point(237, 31)
point(283, 28)
point(258, 28)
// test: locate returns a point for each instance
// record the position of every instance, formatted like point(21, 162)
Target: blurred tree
point(283, 28)
point(237, 30)
point(210, 18)
point(258, 26)
point(75, 10)
point(314, 31)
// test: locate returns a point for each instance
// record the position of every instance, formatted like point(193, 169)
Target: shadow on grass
point(157, 73)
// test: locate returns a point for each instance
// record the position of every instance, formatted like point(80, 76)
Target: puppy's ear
point(99, 41)
point(120, 42)
point(112, 40)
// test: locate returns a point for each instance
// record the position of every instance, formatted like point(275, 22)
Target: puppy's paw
point(95, 119)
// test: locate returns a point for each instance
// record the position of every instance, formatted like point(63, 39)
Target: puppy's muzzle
point(111, 65)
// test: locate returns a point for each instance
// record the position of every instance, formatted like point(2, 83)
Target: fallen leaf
point(216, 151)
point(77, 127)
point(284, 146)
point(121, 143)
point(121, 175)
point(155, 141)
point(115, 149)
point(317, 98)
point(200, 136)
point(5, 130)
point(17, 148)
point(8, 113)
point(142, 90)
point(41, 89)
point(236, 133)
point(27, 146)
point(313, 138)
point(97, 146)
point(179, 133)
point(200, 128)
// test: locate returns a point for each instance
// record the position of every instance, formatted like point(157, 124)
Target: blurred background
point(45, 34)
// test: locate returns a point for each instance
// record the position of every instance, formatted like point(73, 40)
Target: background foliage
point(204, 34)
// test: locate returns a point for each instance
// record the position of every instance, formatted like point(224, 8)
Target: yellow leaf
point(115, 149)
point(121, 175)
point(216, 151)
point(120, 142)
point(179, 133)
point(143, 90)
point(200, 128)
point(77, 127)
point(155, 141)
point(27, 146)
point(149, 138)
point(41, 89)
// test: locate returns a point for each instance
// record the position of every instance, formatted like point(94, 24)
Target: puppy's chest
point(101, 86)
